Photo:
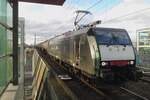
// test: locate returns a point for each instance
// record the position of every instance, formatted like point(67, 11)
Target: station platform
point(23, 91)
point(9, 93)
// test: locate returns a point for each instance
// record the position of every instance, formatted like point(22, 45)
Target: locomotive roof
point(103, 28)
point(83, 31)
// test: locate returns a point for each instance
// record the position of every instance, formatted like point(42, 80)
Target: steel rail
point(133, 93)
point(97, 90)
point(144, 68)
point(145, 80)
point(145, 75)
point(144, 72)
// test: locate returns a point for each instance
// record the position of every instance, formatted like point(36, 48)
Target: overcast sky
point(48, 20)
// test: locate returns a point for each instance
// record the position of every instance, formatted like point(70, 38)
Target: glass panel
point(2, 73)
point(3, 11)
point(112, 37)
point(5, 44)
point(144, 38)
point(145, 56)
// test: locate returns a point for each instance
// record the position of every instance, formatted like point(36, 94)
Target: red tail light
point(119, 63)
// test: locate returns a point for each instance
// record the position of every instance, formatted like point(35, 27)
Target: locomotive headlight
point(131, 62)
point(104, 63)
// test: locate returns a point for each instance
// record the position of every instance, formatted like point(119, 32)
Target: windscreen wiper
point(123, 44)
point(110, 42)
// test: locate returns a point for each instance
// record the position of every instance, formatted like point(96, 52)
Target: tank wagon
point(95, 53)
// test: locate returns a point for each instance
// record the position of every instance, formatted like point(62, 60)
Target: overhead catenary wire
point(126, 15)
point(95, 4)
point(76, 5)
point(69, 4)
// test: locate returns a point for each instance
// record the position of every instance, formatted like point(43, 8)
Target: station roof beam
point(52, 2)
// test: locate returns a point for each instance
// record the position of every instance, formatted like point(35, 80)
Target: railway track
point(133, 93)
point(76, 86)
point(119, 93)
point(97, 90)
point(146, 75)
point(145, 78)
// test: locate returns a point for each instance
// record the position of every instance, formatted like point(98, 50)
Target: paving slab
point(9, 93)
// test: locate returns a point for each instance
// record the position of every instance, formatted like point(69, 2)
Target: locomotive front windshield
point(112, 37)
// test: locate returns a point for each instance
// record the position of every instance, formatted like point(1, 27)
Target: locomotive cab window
point(112, 37)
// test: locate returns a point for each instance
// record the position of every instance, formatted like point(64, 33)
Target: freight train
point(95, 53)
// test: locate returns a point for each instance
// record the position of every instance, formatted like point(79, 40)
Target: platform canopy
point(52, 2)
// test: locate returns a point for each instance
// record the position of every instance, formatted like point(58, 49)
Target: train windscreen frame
point(112, 37)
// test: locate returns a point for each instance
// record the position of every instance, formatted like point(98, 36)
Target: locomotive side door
point(77, 51)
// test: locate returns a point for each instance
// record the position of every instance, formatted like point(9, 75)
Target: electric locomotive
point(95, 53)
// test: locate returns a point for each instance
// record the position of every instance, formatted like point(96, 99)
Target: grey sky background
point(48, 20)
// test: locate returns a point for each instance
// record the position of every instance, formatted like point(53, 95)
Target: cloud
point(47, 20)
point(45, 30)
point(130, 15)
